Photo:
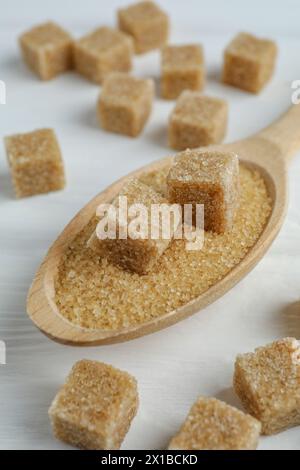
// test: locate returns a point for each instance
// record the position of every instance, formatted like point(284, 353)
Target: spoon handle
point(285, 133)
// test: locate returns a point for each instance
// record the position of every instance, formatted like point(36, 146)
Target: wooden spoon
point(269, 151)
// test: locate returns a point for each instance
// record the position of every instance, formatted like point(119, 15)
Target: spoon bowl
point(268, 152)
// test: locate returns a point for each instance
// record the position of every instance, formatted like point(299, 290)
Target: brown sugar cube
point(210, 178)
point(35, 162)
point(136, 252)
point(213, 425)
point(94, 408)
point(249, 62)
point(125, 104)
point(47, 50)
point(197, 121)
point(268, 384)
point(101, 52)
point(146, 23)
point(182, 68)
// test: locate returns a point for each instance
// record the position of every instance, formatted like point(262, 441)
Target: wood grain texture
point(268, 151)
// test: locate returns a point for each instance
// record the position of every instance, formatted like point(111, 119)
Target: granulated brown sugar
point(92, 293)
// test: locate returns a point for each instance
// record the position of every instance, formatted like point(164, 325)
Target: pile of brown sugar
point(92, 293)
